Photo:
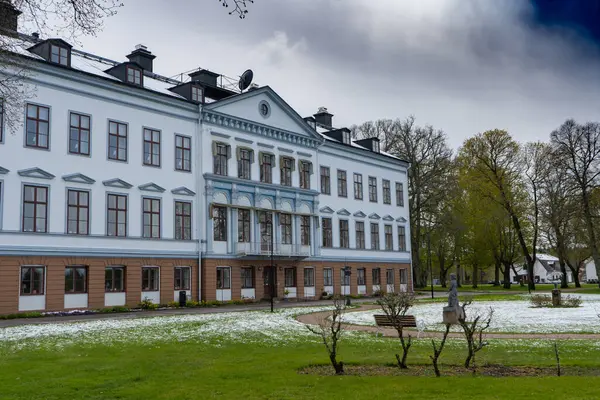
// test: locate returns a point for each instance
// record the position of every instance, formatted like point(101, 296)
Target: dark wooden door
point(267, 277)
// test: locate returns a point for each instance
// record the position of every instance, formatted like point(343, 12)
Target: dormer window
point(375, 146)
point(59, 55)
point(134, 75)
point(196, 94)
point(346, 137)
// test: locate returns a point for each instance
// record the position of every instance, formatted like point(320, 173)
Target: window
point(197, 94)
point(117, 215)
point(151, 147)
point(247, 277)
point(290, 277)
point(360, 235)
point(38, 126)
point(183, 220)
point(345, 278)
point(325, 180)
point(360, 277)
point(245, 159)
point(344, 234)
point(401, 238)
point(399, 194)
point(266, 167)
point(327, 277)
point(183, 153)
point(376, 146)
point(374, 236)
point(305, 230)
point(220, 224)
point(114, 279)
point(358, 186)
point(243, 226)
point(265, 220)
point(403, 276)
point(285, 221)
point(389, 276)
point(387, 195)
point(376, 276)
point(182, 278)
point(150, 279)
point(79, 134)
point(309, 277)
point(78, 212)
point(32, 280)
point(264, 109)
point(373, 189)
point(346, 137)
point(75, 280)
point(221, 153)
point(35, 209)
point(134, 75)
point(151, 218)
point(389, 238)
point(117, 141)
point(223, 278)
point(342, 184)
point(327, 233)
point(305, 173)
point(287, 166)
point(59, 55)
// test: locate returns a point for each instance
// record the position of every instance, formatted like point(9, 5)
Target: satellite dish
point(245, 79)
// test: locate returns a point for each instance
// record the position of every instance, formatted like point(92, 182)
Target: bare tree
point(474, 330)
point(239, 7)
point(579, 149)
point(437, 351)
point(330, 330)
point(395, 306)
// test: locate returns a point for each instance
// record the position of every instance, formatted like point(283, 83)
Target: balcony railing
point(264, 249)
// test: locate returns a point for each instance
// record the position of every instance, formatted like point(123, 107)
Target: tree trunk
point(497, 273)
point(338, 367)
point(443, 275)
point(475, 275)
point(507, 276)
point(591, 232)
point(563, 270)
point(458, 274)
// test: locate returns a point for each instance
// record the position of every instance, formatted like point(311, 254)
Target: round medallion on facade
point(264, 109)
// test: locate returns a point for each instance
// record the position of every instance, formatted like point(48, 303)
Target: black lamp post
point(272, 277)
point(347, 273)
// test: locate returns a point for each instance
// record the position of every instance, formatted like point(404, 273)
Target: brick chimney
point(9, 18)
point(142, 56)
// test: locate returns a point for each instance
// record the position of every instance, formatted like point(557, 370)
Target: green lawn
point(227, 369)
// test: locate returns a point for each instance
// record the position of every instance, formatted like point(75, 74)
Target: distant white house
point(590, 274)
point(545, 264)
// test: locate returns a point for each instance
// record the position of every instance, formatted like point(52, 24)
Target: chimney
point(204, 76)
point(9, 17)
point(142, 56)
point(323, 117)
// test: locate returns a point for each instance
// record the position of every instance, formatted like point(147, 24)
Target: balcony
point(280, 250)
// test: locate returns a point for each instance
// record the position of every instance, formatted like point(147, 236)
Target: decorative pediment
point(326, 210)
point(3, 171)
point(151, 187)
point(118, 183)
point(343, 211)
point(374, 216)
point(78, 178)
point(401, 219)
point(35, 173)
point(359, 214)
point(388, 218)
point(183, 191)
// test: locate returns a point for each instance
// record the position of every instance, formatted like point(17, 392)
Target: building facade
point(121, 185)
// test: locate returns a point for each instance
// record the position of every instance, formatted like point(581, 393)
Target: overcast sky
point(463, 66)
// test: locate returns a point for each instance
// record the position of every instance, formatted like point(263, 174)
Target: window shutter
point(310, 168)
point(281, 161)
point(260, 157)
point(293, 165)
point(238, 152)
point(214, 148)
point(251, 156)
point(228, 152)
point(210, 211)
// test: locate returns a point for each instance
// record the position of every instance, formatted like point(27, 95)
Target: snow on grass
point(259, 327)
point(509, 316)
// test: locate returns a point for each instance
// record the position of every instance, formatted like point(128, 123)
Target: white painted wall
point(154, 297)
point(188, 294)
point(115, 299)
point(249, 293)
point(79, 300)
point(32, 303)
point(590, 270)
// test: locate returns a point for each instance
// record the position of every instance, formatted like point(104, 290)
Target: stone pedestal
point(555, 297)
point(452, 315)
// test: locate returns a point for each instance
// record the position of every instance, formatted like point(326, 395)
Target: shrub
point(377, 293)
point(115, 309)
point(191, 303)
point(540, 300)
point(147, 304)
point(173, 304)
point(571, 301)
point(31, 314)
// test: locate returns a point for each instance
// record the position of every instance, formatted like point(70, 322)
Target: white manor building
point(122, 185)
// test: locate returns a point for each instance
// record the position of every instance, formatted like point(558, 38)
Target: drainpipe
point(198, 197)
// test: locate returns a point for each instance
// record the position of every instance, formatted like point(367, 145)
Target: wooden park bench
point(407, 321)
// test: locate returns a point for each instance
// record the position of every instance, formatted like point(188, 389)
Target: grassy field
point(585, 288)
point(169, 362)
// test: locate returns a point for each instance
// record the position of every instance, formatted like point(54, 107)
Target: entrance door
point(267, 282)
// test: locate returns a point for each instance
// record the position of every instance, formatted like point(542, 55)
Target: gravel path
point(314, 318)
